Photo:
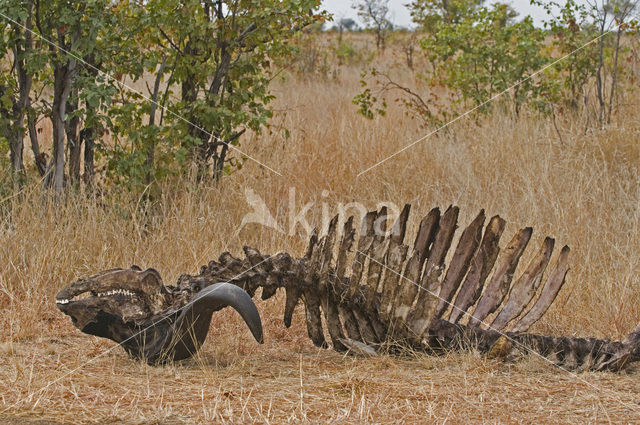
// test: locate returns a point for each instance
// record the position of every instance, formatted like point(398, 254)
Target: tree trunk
point(614, 77)
point(599, 78)
point(87, 134)
point(218, 162)
point(14, 131)
point(86, 137)
point(39, 157)
point(215, 97)
point(73, 141)
point(198, 152)
point(14, 136)
point(19, 112)
point(220, 158)
point(62, 74)
point(151, 147)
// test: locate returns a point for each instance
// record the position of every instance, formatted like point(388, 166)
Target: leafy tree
point(348, 24)
point(20, 65)
point(211, 63)
point(374, 14)
point(609, 16)
point(486, 53)
point(70, 33)
point(344, 24)
point(570, 24)
point(220, 56)
point(483, 54)
point(428, 14)
point(574, 27)
point(622, 10)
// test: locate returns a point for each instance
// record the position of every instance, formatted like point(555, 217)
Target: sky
point(399, 14)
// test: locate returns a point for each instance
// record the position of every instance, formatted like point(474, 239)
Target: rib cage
point(374, 290)
point(414, 292)
point(409, 293)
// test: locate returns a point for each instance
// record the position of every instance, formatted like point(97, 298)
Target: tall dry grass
point(583, 190)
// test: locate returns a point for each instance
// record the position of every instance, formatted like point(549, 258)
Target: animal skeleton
point(380, 294)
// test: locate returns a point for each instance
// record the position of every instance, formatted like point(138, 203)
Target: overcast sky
point(400, 14)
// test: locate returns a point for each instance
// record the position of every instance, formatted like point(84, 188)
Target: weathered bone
point(388, 301)
point(312, 300)
point(393, 260)
point(430, 284)
point(467, 246)
point(407, 289)
point(501, 280)
point(523, 291)
point(376, 258)
point(364, 245)
point(549, 293)
point(481, 266)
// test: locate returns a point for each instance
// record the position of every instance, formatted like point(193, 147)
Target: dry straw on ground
point(584, 190)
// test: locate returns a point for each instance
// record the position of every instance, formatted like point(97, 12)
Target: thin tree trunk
point(73, 141)
point(215, 96)
point(61, 89)
point(165, 96)
point(19, 112)
point(14, 136)
point(408, 50)
point(614, 76)
point(39, 158)
point(151, 147)
point(599, 79)
point(189, 96)
point(86, 137)
point(220, 158)
point(14, 132)
point(218, 162)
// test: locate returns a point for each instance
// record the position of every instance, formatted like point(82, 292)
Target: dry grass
point(584, 191)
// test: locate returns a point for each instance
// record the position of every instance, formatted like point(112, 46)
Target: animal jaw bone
point(379, 292)
point(151, 321)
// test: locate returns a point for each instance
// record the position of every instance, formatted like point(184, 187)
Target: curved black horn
point(191, 327)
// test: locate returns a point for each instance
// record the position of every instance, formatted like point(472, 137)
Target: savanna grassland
point(582, 188)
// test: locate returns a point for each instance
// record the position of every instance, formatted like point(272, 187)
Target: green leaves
point(211, 63)
point(484, 54)
point(430, 14)
point(483, 58)
point(217, 54)
point(368, 105)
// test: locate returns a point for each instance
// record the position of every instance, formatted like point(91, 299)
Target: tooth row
point(102, 294)
point(115, 292)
